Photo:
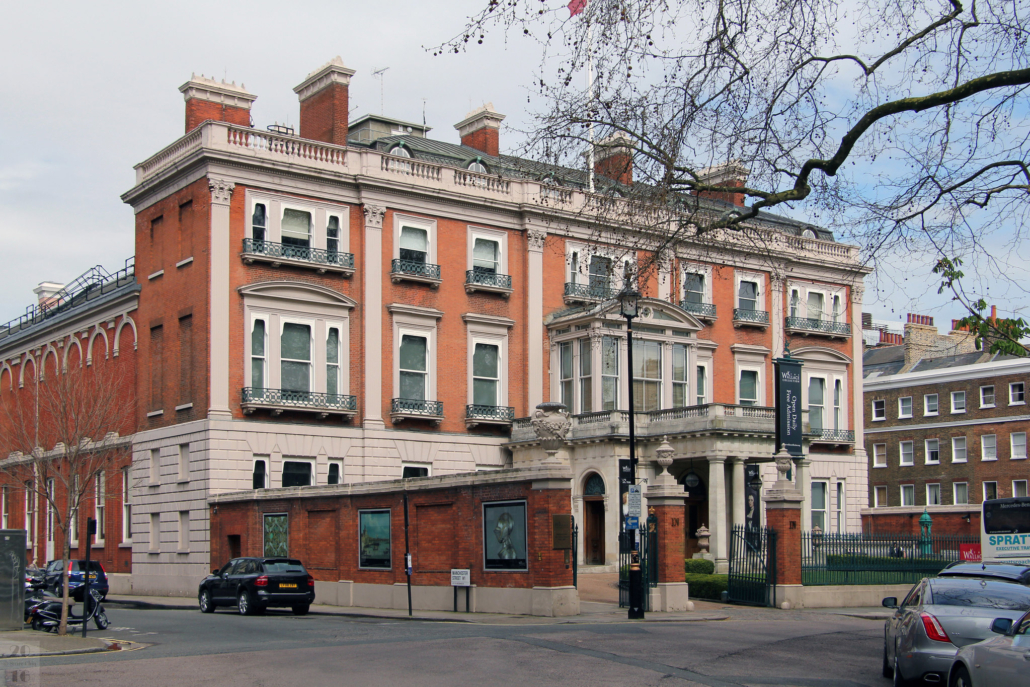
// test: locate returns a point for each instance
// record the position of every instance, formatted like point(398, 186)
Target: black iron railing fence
point(317, 256)
point(600, 291)
point(836, 558)
point(752, 574)
point(411, 406)
point(475, 411)
point(745, 315)
point(818, 325)
point(699, 309)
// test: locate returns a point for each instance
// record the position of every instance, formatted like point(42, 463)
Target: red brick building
point(355, 302)
point(946, 427)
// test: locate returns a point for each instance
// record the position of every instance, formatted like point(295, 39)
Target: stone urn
point(551, 423)
point(702, 539)
point(664, 453)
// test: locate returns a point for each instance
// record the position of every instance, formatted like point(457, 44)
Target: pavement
point(28, 643)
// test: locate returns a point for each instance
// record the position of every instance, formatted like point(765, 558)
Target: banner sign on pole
point(634, 501)
point(788, 405)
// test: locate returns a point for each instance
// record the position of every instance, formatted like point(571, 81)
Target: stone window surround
point(501, 237)
point(491, 330)
point(275, 205)
point(831, 366)
point(267, 460)
point(751, 358)
point(705, 270)
point(585, 251)
point(758, 278)
point(299, 303)
point(415, 321)
point(403, 220)
point(313, 462)
point(828, 293)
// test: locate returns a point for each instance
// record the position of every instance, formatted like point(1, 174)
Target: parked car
point(1002, 660)
point(54, 580)
point(1005, 572)
point(938, 617)
point(254, 584)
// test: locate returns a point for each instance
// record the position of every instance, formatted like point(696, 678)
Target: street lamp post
point(629, 300)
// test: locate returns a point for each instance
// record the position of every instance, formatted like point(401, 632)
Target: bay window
point(332, 362)
point(702, 388)
point(610, 373)
point(680, 390)
point(838, 392)
point(647, 375)
point(815, 305)
point(332, 237)
point(258, 359)
point(288, 231)
point(296, 228)
point(567, 382)
point(816, 391)
point(819, 497)
point(295, 357)
point(586, 386)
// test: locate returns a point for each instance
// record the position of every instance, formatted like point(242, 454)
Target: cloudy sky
point(90, 89)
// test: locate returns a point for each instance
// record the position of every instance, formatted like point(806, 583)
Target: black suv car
point(52, 576)
point(254, 584)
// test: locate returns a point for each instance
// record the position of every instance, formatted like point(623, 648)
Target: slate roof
point(456, 155)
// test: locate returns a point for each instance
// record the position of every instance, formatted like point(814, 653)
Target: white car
point(1002, 661)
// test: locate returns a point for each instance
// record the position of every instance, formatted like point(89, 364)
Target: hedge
point(707, 586)
point(884, 563)
point(699, 566)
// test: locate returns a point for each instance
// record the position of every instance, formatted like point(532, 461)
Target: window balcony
point(414, 409)
point(278, 400)
point(838, 437)
point(702, 311)
point(412, 270)
point(298, 256)
point(476, 414)
point(479, 280)
point(589, 293)
point(819, 327)
point(742, 317)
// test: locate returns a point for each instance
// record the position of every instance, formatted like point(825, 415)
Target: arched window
point(478, 166)
point(808, 234)
point(400, 151)
point(594, 486)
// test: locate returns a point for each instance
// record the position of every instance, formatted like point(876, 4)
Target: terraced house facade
point(357, 301)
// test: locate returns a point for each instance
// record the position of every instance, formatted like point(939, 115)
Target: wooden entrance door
point(594, 534)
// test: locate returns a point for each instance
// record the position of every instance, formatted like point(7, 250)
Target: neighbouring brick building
point(946, 427)
point(359, 302)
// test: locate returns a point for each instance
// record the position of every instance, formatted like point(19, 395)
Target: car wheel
point(301, 609)
point(205, 602)
point(887, 670)
point(243, 603)
point(960, 677)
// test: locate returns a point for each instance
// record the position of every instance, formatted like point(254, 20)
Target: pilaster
point(373, 268)
point(221, 195)
point(535, 311)
point(776, 285)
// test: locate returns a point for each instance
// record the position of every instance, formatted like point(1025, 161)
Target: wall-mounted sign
point(634, 501)
point(461, 578)
point(787, 372)
point(561, 531)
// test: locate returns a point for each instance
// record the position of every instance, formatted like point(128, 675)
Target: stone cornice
point(416, 310)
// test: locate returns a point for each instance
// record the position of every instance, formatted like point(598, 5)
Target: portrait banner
point(504, 536)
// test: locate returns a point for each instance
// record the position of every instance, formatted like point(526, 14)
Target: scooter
point(36, 594)
point(46, 616)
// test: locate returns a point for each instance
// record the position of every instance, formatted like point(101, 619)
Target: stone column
point(782, 513)
point(857, 484)
point(221, 194)
point(739, 504)
point(777, 284)
point(535, 312)
point(804, 482)
point(373, 269)
point(717, 511)
point(665, 500)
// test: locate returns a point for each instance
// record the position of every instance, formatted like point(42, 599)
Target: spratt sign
point(1005, 530)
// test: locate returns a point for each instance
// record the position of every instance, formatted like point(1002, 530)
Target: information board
point(461, 578)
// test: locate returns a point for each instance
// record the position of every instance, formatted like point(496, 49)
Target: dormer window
point(477, 166)
point(400, 151)
point(808, 234)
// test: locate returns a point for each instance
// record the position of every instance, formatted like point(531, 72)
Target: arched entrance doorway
point(696, 507)
point(593, 520)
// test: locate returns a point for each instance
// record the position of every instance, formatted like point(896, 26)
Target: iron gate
point(752, 578)
point(648, 562)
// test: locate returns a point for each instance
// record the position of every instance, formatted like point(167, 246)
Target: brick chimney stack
point(731, 174)
point(613, 158)
point(324, 103)
point(209, 99)
point(47, 293)
point(481, 129)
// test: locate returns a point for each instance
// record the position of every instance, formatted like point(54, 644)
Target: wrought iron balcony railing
point(487, 279)
point(750, 316)
point(594, 292)
point(302, 400)
point(413, 268)
point(475, 412)
point(414, 407)
point(315, 256)
point(699, 309)
point(836, 436)
point(821, 326)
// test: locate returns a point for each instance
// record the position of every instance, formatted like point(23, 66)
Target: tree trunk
point(66, 547)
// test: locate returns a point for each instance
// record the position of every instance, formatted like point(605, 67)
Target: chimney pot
point(208, 99)
point(481, 130)
point(730, 174)
point(324, 103)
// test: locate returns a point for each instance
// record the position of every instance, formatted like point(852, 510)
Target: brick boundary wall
point(445, 531)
